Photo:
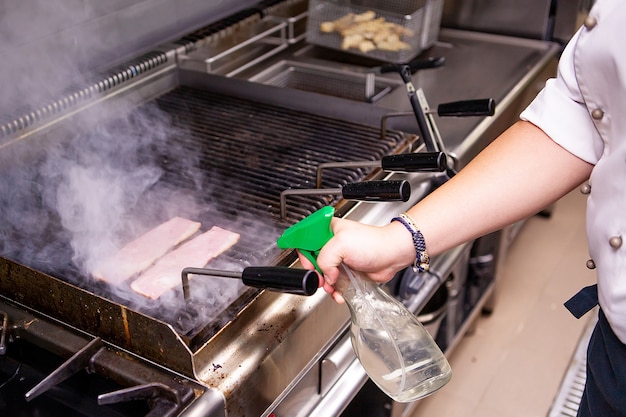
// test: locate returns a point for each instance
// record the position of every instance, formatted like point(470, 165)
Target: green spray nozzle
point(310, 234)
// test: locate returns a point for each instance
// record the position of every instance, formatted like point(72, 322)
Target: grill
point(233, 157)
point(255, 151)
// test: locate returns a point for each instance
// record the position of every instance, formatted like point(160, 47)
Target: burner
point(37, 378)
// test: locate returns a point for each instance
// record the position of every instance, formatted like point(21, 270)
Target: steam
point(95, 182)
point(42, 52)
point(46, 46)
point(92, 202)
point(95, 190)
point(80, 193)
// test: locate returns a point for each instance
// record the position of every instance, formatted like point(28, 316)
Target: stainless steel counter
point(477, 65)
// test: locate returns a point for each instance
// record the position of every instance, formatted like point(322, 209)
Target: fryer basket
point(419, 19)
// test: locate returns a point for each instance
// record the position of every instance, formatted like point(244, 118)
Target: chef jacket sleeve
point(559, 110)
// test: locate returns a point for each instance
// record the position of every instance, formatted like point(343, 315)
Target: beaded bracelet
point(422, 260)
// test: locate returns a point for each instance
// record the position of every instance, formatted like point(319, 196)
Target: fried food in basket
point(367, 33)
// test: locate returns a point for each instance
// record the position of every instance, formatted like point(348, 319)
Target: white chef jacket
point(584, 110)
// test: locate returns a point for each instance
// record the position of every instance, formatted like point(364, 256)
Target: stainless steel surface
point(52, 49)
point(506, 17)
point(432, 22)
point(531, 61)
point(535, 19)
point(268, 327)
point(324, 80)
point(341, 374)
point(238, 53)
point(342, 392)
point(241, 360)
point(509, 70)
point(335, 364)
point(294, 13)
point(210, 403)
point(144, 70)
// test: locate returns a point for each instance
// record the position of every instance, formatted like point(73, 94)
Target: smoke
point(93, 205)
point(72, 196)
point(47, 46)
point(98, 182)
point(107, 182)
point(40, 55)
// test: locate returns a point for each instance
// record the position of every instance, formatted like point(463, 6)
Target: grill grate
point(251, 152)
point(226, 158)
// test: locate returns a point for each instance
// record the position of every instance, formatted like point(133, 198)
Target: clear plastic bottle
point(396, 351)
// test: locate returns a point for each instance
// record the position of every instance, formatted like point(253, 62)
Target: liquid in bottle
point(396, 351)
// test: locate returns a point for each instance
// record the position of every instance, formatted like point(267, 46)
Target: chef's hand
point(377, 251)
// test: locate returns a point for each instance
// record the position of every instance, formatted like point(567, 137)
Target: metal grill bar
point(75, 95)
point(251, 151)
point(248, 152)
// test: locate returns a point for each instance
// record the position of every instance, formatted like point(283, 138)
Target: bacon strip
point(165, 274)
point(142, 252)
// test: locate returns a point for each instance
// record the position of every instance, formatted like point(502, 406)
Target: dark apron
point(605, 388)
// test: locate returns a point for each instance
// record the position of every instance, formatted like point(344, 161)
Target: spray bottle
point(396, 351)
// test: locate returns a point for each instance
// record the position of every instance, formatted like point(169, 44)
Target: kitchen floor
point(513, 362)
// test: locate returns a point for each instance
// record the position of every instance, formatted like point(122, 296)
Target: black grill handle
point(415, 65)
point(396, 190)
point(415, 162)
point(281, 279)
point(464, 108)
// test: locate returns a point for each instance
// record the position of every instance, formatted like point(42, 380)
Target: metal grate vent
point(98, 84)
point(570, 393)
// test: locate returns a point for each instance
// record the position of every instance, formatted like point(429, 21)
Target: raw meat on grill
point(142, 252)
point(165, 274)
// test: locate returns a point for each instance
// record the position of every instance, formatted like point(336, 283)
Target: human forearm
point(518, 175)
